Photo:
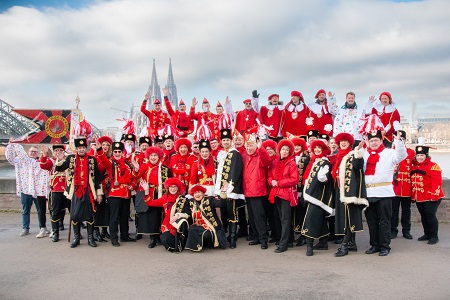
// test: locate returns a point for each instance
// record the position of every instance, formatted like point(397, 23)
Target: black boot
point(55, 231)
point(61, 220)
point(90, 231)
point(232, 227)
point(97, 236)
point(105, 233)
point(301, 241)
point(152, 242)
point(322, 244)
point(309, 247)
point(352, 244)
point(76, 235)
point(342, 251)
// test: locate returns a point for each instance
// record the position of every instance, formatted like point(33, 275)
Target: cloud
point(104, 51)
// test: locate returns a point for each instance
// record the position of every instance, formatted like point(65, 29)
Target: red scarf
point(81, 175)
point(373, 159)
point(339, 156)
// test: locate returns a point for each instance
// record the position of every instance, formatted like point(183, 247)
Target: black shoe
point(138, 236)
point(383, 252)
point(433, 241)
point(280, 250)
point(55, 237)
point(127, 239)
point(290, 245)
point(342, 251)
point(373, 250)
point(254, 242)
point(300, 242)
point(338, 241)
point(264, 246)
point(424, 238)
point(104, 234)
point(98, 237)
point(352, 246)
point(272, 240)
point(115, 243)
point(320, 246)
point(152, 243)
point(309, 250)
point(393, 235)
point(407, 235)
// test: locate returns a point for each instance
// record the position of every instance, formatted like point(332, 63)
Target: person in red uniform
point(206, 115)
point(203, 171)
point(385, 109)
point(297, 117)
point(179, 119)
point(193, 157)
point(215, 147)
point(427, 191)
point(323, 112)
point(169, 149)
point(283, 179)
point(402, 190)
point(271, 115)
point(173, 239)
point(156, 117)
point(119, 193)
point(246, 118)
point(153, 172)
point(82, 188)
point(256, 162)
point(58, 201)
point(179, 161)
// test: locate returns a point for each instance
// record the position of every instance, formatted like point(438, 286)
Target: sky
point(103, 51)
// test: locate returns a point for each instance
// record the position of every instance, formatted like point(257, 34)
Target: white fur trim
point(319, 203)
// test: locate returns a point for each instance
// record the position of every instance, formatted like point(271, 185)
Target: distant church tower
point(172, 87)
point(154, 90)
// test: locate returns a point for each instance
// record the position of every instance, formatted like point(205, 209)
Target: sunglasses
point(117, 151)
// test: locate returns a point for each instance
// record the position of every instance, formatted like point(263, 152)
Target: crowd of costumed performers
point(299, 174)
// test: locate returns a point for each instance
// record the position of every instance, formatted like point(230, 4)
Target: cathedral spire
point(154, 90)
point(171, 87)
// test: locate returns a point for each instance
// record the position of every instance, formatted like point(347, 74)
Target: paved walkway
point(34, 268)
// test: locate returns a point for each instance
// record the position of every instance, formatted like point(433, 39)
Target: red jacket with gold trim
point(402, 175)
point(426, 180)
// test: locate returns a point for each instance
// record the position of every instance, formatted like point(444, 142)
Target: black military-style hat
point(145, 140)
point(422, 150)
point(324, 136)
point(54, 147)
point(130, 137)
point(375, 134)
point(158, 139)
point(204, 144)
point(313, 132)
point(80, 142)
point(118, 146)
point(168, 137)
point(225, 133)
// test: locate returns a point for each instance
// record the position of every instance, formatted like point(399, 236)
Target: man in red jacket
point(246, 118)
point(402, 190)
point(156, 117)
point(256, 163)
point(297, 117)
point(180, 119)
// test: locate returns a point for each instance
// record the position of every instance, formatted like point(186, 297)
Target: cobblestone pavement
point(34, 268)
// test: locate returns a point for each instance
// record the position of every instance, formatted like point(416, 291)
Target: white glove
point(128, 148)
point(322, 174)
point(388, 126)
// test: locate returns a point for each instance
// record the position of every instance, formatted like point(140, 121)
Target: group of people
point(269, 173)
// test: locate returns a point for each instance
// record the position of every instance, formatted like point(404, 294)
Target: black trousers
point(42, 216)
point(405, 203)
point(285, 213)
point(430, 222)
point(119, 210)
point(58, 203)
point(378, 215)
point(257, 214)
point(232, 211)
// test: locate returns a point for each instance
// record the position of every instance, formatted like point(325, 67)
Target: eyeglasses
point(33, 151)
point(117, 151)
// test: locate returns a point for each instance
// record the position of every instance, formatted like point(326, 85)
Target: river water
point(441, 158)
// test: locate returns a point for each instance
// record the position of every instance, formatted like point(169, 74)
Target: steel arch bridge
point(15, 125)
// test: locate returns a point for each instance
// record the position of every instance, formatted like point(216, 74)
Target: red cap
point(154, 149)
point(105, 138)
point(157, 101)
point(196, 188)
point(218, 104)
point(286, 143)
point(299, 142)
point(297, 94)
point(319, 92)
point(344, 136)
point(247, 101)
point(183, 141)
point(273, 95)
point(174, 181)
point(182, 102)
point(387, 94)
point(321, 144)
point(205, 101)
point(269, 144)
